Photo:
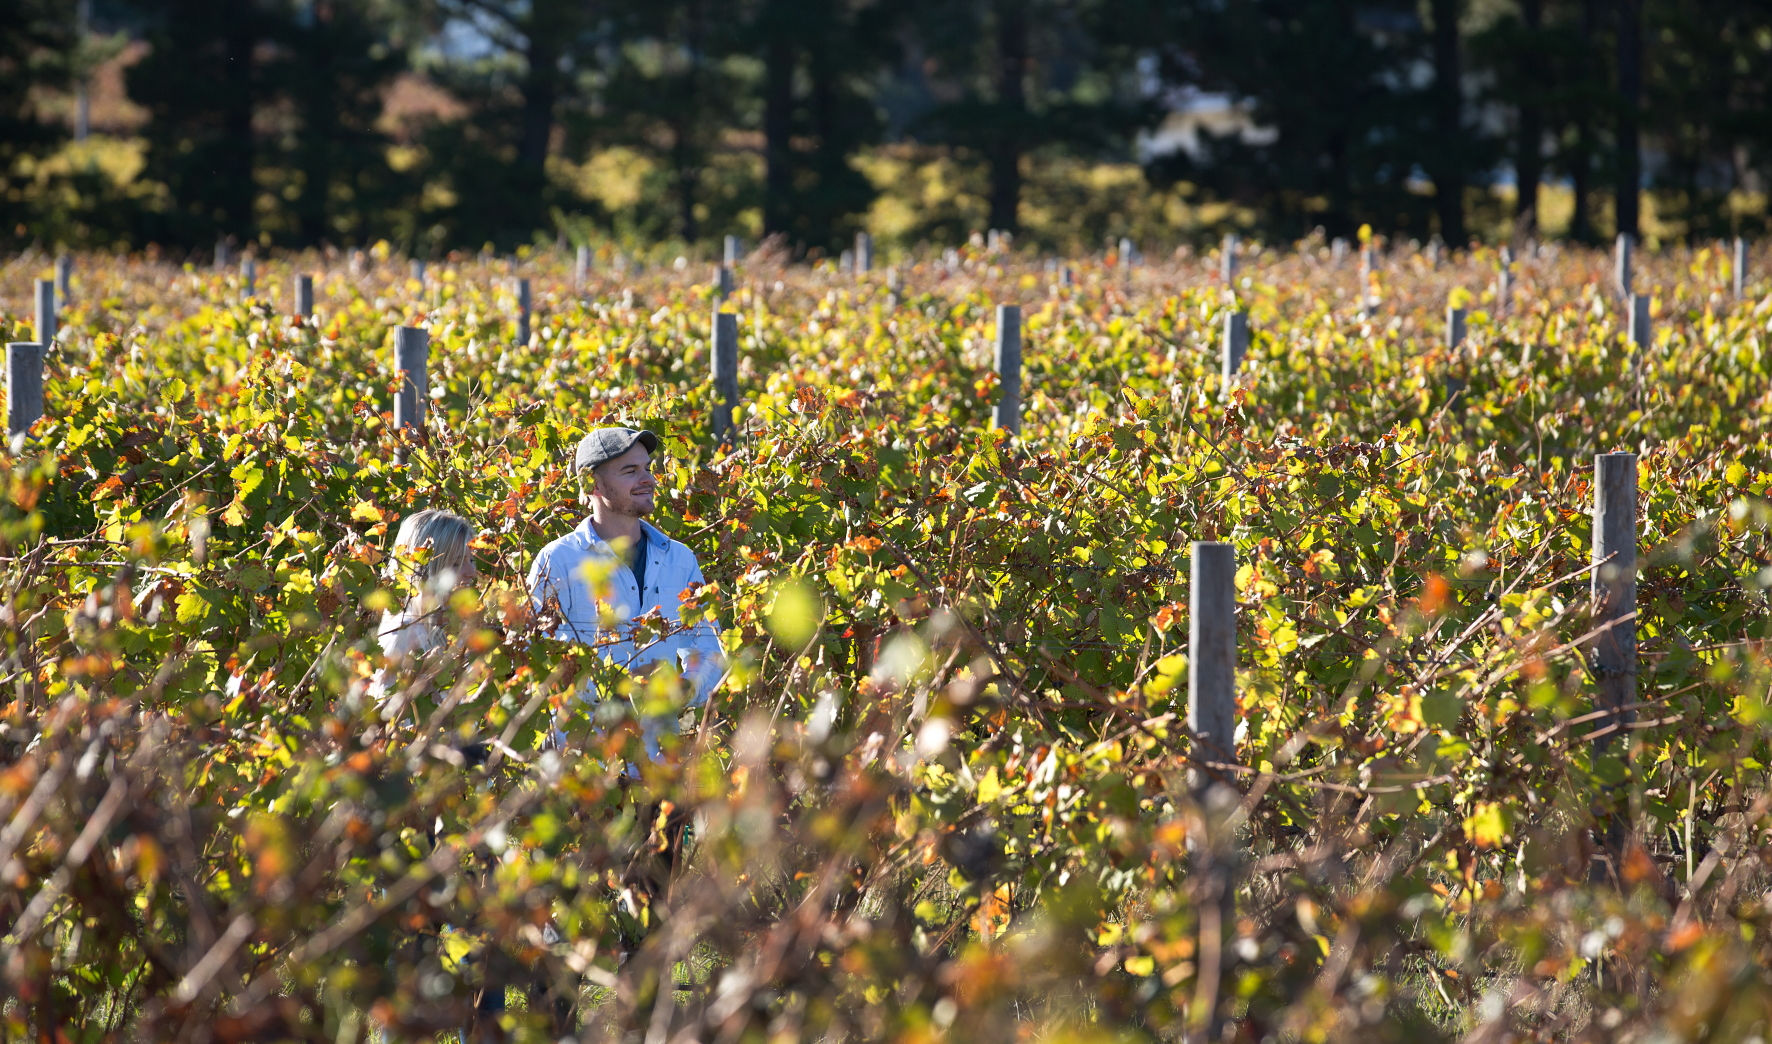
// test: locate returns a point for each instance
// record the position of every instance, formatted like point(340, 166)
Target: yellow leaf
point(1487, 825)
point(990, 788)
point(365, 512)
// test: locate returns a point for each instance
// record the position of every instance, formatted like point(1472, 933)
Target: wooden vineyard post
point(248, 278)
point(64, 278)
point(1613, 653)
point(1739, 273)
point(731, 248)
point(24, 386)
point(1212, 719)
point(1621, 261)
point(1455, 330)
point(1455, 325)
point(725, 374)
point(864, 253)
point(1227, 258)
point(1007, 359)
point(1366, 260)
point(523, 303)
point(304, 297)
point(46, 317)
point(1640, 331)
point(412, 351)
point(1504, 281)
point(1235, 346)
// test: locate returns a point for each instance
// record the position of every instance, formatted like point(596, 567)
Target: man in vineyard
point(651, 571)
point(614, 466)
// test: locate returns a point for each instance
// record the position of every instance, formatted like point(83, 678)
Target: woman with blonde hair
point(429, 559)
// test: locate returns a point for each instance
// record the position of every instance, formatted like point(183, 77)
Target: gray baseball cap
point(603, 444)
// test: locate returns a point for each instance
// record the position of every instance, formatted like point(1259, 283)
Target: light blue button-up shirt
point(557, 576)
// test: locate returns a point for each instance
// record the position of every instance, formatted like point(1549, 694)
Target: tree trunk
point(683, 151)
point(817, 221)
point(233, 177)
point(541, 93)
point(1448, 115)
point(1580, 168)
point(1630, 98)
point(1005, 141)
point(1529, 159)
point(778, 129)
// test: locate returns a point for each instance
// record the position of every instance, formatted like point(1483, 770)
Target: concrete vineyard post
point(304, 296)
point(581, 268)
point(731, 249)
point(723, 282)
point(1067, 277)
point(846, 262)
point(894, 289)
point(223, 255)
point(1235, 345)
point(1338, 250)
point(1455, 318)
point(1739, 273)
point(1007, 359)
point(248, 278)
point(412, 352)
point(46, 317)
point(1227, 258)
point(1212, 718)
point(24, 385)
point(418, 272)
point(1640, 331)
point(864, 253)
point(1621, 261)
point(523, 303)
point(64, 278)
point(1366, 296)
point(725, 374)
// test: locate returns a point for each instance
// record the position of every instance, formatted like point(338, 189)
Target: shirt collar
point(588, 531)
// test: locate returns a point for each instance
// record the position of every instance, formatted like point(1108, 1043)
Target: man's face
point(625, 484)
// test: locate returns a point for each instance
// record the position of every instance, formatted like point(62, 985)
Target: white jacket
point(557, 576)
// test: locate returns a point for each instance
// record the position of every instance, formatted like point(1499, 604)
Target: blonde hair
point(444, 533)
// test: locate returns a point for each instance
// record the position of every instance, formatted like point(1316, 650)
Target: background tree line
point(440, 124)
